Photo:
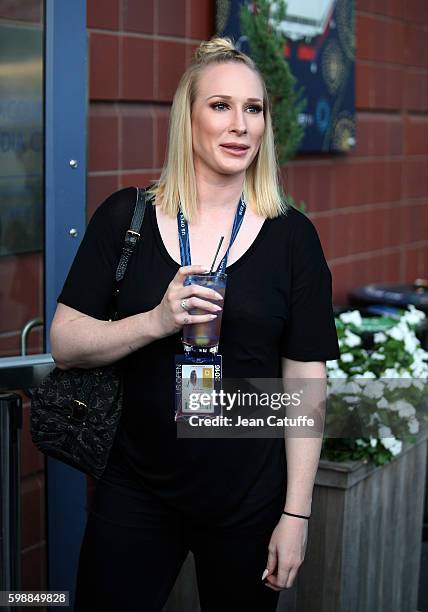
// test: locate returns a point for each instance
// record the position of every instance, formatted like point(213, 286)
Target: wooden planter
point(365, 538)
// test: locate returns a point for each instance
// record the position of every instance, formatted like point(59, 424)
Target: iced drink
point(204, 337)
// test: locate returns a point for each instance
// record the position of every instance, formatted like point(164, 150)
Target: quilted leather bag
point(75, 413)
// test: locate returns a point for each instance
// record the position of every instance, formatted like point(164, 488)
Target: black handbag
point(75, 413)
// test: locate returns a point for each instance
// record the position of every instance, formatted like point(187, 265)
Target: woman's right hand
point(169, 316)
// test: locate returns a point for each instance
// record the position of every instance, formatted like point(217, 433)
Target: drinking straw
point(215, 256)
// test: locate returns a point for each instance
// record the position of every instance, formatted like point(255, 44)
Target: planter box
point(365, 536)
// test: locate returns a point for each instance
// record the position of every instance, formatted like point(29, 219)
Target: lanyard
point(183, 236)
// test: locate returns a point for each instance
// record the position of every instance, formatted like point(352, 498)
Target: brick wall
point(138, 51)
point(370, 207)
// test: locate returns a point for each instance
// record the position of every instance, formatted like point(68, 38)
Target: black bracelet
point(298, 515)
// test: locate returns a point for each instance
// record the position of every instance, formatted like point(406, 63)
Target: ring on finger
point(183, 304)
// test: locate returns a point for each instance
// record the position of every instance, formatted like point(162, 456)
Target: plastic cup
point(204, 337)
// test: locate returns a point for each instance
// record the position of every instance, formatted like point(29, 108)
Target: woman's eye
point(219, 105)
point(254, 108)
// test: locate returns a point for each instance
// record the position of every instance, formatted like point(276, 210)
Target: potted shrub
point(385, 384)
point(366, 528)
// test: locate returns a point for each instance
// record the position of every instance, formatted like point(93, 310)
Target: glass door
point(23, 547)
point(43, 99)
point(21, 178)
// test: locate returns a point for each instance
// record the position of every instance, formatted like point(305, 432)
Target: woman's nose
point(238, 124)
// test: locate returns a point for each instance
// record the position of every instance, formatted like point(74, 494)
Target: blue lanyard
point(183, 236)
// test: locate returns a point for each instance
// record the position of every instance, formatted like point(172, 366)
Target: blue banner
point(319, 45)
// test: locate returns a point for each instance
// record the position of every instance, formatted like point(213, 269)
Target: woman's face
point(227, 119)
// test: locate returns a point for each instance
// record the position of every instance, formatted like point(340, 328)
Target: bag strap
point(132, 235)
point(131, 238)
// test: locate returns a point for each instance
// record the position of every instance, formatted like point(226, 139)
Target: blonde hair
point(177, 184)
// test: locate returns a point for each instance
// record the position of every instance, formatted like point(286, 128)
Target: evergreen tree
point(259, 22)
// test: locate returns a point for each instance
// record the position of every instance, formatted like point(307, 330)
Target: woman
point(162, 496)
point(193, 380)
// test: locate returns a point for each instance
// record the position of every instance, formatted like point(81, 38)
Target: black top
point(277, 304)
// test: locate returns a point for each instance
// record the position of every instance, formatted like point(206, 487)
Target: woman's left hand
point(287, 549)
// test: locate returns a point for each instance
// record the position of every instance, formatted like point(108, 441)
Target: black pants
point(134, 546)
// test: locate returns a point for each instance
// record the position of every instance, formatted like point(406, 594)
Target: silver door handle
point(36, 322)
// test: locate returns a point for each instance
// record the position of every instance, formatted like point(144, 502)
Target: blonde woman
point(223, 499)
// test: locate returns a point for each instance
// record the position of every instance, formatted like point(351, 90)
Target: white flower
point(347, 357)
point(368, 374)
point(353, 317)
point(393, 383)
point(403, 379)
point(404, 408)
point(413, 425)
point(374, 389)
point(388, 440)
point(351, 339)
point(373, 442)
point(382, 403)
point(396, 332)
point(396, 447)
point(332, 364)
point(411, 343)
point(351, 399)
point(392, 444)
point(419, 367)
point(419, 384)
point(360, 442)
point(377, 356)
point(413, 316)
point(391, 373)
point(384, 431)
point(334, 385)
point(338, 374)
point(420, 354)
point(406, 379)
point(419, 370)
point(352, 387)
point(379, 337)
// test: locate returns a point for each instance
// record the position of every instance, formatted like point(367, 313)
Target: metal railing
point(10, 491)
point(15, 373)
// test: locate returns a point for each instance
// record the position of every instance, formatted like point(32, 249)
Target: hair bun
point(214, 47)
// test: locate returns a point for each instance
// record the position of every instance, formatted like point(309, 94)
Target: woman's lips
point(235, 150)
